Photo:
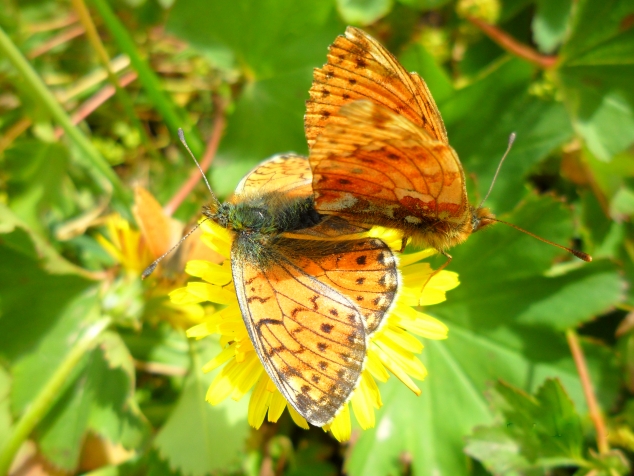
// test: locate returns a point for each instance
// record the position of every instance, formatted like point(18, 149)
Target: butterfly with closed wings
point(379, 150)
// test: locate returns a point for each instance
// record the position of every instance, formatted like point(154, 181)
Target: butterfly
point(309, 300)
point(379, 150)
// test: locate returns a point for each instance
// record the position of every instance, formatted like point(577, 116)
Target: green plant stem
point(586, 383)
point(91, 159)
point(148, 79)
point(48, 395)
point(122, 95)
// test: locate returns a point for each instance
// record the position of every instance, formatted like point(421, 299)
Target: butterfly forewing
point(359, 67)
point(310, 338)
point(374, 166)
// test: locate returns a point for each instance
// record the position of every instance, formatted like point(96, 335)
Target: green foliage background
point(503, 394)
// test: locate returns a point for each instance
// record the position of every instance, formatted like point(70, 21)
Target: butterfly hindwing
point(310, 339)
point(363, 270)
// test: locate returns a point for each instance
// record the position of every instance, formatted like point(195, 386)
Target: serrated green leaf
point(111, 379)
point(63, 429)
point(538, 431)
point(363, 12)
point(199, 438)
point(502, 279)
point(36, 172)
point(161, 343)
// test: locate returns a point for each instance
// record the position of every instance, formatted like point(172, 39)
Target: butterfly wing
point(288, 174)
point(310, 339)
point(363, 270)
point(359, 67)
point(310, 336)
point(375, 166)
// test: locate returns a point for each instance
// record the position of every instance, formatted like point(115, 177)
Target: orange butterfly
point(309, 302)
point(379, 149)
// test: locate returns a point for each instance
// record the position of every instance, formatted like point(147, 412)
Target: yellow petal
point(406, 360)
point(362, 404)
point(226, 354)
point(250, 373)
point(222, 385)
point(183, 296)
point(211, 272)
point(299, 420)
point(411, 258)
point(259, 402)
point(340, 427)
point(398, 372)
point(374, 365)
point(402, 338)
point(277, 406)
point(210, 292)
point(419, 323)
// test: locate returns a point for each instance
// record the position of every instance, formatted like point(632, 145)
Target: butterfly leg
point(404, 241)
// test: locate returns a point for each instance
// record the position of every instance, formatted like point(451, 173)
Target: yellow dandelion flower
point(129, 248)
point(391, 350)
point(125, 244)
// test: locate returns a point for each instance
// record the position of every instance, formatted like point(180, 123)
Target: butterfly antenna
point(150, 269)
point(508, 149)
point(577, 253)
point(181, 136)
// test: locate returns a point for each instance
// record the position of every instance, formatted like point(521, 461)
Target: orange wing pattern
point(372, 165)
point(359, 67)
point(310, 339)
point(305, 304)
point(365, 271)
point(288, 174)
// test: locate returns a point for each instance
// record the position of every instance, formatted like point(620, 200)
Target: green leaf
point(479, 125)
point(6, 420)
point(595, 75)
point(276, 45)
point(37, 170)
point(497, 330)
point(101, 399)
point(424, 4)
point(111, 379)
point(34, 333)
point(62, 431)
point(596, 22)
point(18, 236)
point(363, 12)
point(550, 24)
point(199, 438)
point(540, 431)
